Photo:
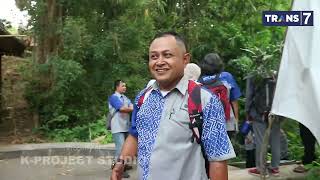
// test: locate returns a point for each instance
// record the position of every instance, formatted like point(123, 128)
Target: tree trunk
point(48, 38)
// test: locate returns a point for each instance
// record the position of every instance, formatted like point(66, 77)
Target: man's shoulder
point(113, 95)
point(141, 93)
point(226, 75)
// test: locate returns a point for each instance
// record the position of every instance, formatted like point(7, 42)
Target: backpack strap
point(195, 110)
point(141, 99)
point(196, 117)
point(216, 78)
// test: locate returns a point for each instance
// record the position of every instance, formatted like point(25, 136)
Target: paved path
point(77, 161)
point(18, 169)
point(93, 169)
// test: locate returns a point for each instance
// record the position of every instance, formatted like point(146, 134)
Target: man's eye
point(153, 56)
point(168, 55)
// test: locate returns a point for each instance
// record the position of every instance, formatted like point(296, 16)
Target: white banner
point(297, 94)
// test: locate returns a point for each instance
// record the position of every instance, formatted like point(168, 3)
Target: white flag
point(297, 94)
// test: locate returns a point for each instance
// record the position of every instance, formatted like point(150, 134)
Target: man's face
point(121, 88)
point(167, 60)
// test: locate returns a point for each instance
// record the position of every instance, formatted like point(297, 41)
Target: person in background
point(249, 146)
point(121, 107)
point(259, 95)
point(309, 142)
point(213, 66)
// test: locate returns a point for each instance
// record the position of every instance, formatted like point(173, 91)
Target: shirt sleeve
point(235, 91)
point(115, 102)
point(215, 139)
point(133, 128)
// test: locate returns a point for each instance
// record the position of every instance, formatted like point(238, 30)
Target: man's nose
point(160, 61)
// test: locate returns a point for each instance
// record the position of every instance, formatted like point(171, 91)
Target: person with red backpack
point(224, 85)
point(167, 138)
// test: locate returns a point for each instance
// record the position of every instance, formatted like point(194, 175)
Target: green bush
point(84, 133)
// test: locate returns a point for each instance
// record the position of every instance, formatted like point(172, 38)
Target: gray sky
point(10, 12)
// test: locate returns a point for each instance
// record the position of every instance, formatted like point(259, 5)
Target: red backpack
point(219, 89)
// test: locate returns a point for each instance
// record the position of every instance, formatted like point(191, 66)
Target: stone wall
point(16, 118)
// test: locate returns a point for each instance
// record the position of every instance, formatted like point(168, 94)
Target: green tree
point(83, 46)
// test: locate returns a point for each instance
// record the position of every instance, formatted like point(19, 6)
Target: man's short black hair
point(117, 83)
point(178, 38)
point(211, 64)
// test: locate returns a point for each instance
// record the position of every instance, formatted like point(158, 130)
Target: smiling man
point(160, 133)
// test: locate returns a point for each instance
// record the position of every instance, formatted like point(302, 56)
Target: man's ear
point(186, 58)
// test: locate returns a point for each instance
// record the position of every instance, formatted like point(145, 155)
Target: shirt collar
point(182, 85)
point(118, 94)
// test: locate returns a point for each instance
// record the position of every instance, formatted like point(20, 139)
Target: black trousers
point(308, 141)
point(250, 158)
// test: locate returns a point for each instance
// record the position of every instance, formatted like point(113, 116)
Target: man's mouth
point(161, 70)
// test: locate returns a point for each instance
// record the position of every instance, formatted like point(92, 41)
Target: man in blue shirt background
point(120, 106)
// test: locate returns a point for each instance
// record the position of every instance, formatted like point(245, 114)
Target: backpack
point(195, 114)
point(263, 95)
point(108, 120)
point(217, 87)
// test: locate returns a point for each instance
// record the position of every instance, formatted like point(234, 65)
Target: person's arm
point(119, 105)
point(235, 107)
point(126, 109)
point(217, 145)
point(218, 170)
point(128, 153)
point(235, 94)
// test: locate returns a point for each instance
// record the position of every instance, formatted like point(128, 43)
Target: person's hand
point(117, 172)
